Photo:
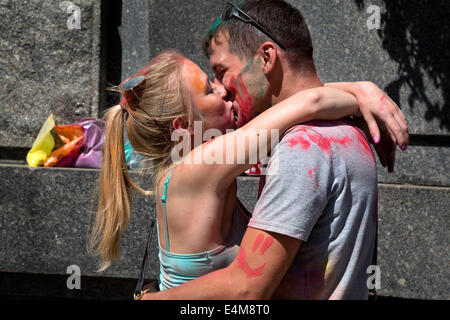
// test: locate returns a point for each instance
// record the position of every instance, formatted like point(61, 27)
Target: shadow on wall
point(416, 34)
point(111, 51)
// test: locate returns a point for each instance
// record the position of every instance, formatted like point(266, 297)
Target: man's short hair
point(280, 19)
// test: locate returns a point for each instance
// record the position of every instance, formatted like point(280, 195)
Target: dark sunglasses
point(231, 11)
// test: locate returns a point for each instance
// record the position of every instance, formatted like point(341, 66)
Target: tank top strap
point(164, 200)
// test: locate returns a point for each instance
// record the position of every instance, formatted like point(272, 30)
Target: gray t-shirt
point(323, 191)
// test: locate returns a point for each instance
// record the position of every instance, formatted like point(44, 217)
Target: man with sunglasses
point(312, 233)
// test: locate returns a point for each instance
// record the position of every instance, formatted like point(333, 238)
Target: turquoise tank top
point(176, 269)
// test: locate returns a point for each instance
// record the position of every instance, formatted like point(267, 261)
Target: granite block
point(413, 242)
point(181, 25)
point(46, 66)
point(45, 218)
point(134, 35)
point(418, 165)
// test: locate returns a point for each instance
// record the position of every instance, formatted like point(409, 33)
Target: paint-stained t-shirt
point(321, 188)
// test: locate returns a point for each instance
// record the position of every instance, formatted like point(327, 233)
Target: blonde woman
point(200, 224)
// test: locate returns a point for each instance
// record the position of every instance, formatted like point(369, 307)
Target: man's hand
point(385, 122)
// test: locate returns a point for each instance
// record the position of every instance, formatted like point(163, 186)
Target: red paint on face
point(244, 99)
point(243, 265)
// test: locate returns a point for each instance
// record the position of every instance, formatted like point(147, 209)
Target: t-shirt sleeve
point(298, 185)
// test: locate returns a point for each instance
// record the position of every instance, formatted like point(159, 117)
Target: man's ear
point(269, 54)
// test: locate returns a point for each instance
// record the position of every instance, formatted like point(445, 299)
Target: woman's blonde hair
point(150, 110)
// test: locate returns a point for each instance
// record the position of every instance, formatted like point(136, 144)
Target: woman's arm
point(216, 164)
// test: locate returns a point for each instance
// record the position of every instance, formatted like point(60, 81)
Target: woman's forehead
point(197, 78)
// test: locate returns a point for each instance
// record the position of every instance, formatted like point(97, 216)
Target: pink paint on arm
point(266, 245)
point(257, 242)
point(244, 266)
point(382, 102)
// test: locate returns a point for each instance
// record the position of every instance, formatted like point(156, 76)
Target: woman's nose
point(220, 91)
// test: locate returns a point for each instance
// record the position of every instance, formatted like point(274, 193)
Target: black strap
point(140, 283)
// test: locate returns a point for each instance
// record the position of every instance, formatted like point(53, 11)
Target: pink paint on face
point(244, 99)
point(243, 265)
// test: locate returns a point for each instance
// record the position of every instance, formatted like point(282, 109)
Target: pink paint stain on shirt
point(299, 140)
point(312, 176)
point(365, 144)
point(344, 141)
point(244, 266)
point(318, 140)
point(311, 171)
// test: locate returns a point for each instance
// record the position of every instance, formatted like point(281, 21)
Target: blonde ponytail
point(114, 203)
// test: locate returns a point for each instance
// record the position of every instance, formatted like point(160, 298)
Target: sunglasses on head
point(231, 11)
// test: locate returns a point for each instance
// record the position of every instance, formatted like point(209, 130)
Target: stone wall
point(48, 67)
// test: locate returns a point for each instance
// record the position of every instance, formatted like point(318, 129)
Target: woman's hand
point(375, 105)
point(384, 121)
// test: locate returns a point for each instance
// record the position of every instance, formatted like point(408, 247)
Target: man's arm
point(263, 260)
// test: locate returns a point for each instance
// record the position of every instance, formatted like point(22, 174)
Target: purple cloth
point(91, 151)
